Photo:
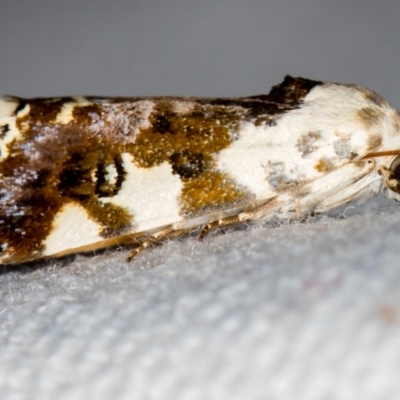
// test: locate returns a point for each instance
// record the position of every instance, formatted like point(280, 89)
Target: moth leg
point(257, 213)
point(156, 237)
point(220, 223)
point(329, 191)
point(298, 209)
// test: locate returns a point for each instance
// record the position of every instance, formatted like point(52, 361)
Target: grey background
point(198, 48)
point(299, 311)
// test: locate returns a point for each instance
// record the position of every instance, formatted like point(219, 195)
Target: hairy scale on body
point(84, 173)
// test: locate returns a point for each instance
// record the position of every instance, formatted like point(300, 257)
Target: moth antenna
point(382, 154)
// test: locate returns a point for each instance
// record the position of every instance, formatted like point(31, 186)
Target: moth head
point(395, 167)
point(393, 178)
point(390, 175)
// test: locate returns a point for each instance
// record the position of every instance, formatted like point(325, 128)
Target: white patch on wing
point(182, 107)
point(126, 118)
point(72, 228)
point(9, 130)
point(111, 175)
point(151, 195)
point(264, 157)
point(144, 109)
point(8, 106)
point(65, 115)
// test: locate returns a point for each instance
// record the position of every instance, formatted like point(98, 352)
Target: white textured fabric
point(297, 311)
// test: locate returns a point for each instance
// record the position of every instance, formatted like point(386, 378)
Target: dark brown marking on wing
point(292, 91)
point(162, 124)
point(370, 95)
point(374, 141)
point(188, 164)
point(284, 97)
point(104, 188)
point(370, 116)
point(21, 105)
point(3, 131)
point(87, 115)
point(51, 166)
point(41, 111)
point(190, 144)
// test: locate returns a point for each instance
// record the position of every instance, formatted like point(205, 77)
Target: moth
point(83, 173)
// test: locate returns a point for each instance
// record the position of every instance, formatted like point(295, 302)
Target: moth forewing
point(341, 185)
point(78, 174)
point(364, 188)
